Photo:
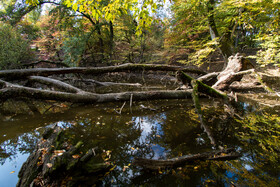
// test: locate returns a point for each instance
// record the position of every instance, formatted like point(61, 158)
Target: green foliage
point(265, 131)
point(270, 52)
point(75, 48)
point(14, 49)
point(110, 10)
point(235, 24)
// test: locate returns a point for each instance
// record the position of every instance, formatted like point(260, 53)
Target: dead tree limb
point(209, 78)
point(19, 73)
point(55, 83)
point(227, 154)
point(235, 64)
point(98, 83)
point(16, 91)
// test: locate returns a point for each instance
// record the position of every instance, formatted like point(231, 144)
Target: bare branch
point(55, 83)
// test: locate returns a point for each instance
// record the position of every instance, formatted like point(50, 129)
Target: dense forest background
point(103, 32)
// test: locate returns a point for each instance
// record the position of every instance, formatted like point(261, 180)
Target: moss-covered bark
point(56, 162)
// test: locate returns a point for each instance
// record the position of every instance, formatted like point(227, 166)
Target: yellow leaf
point(12, 172)
point(75, 7)
point(132, 148)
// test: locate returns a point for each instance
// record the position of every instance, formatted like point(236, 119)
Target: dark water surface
point(158, 130)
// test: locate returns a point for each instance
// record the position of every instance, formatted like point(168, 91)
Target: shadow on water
point(159, 130)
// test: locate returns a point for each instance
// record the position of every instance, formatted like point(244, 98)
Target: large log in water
point(56, 162)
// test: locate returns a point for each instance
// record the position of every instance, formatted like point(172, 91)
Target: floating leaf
point(12, 172)
point(49, 165)
point(75, 156)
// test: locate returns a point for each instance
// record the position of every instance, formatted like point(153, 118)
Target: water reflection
point(173, 130)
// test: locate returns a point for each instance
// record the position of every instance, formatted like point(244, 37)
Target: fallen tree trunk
point(227, 154)
point(203, 88)
point(19, 73)
point(87, 97)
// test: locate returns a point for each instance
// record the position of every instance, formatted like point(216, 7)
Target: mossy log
point(56, 162)
point(201, 87)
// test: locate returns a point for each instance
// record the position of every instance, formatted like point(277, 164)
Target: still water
point(158, 130)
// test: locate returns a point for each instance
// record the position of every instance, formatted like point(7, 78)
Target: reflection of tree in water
point(260, 137)
point(176, 131)
point(260, 146)
point(23, 144)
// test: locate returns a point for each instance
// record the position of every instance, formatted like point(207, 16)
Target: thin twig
point(120, 112)
point(130, 104)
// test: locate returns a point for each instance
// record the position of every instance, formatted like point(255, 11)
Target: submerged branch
point(227, 154)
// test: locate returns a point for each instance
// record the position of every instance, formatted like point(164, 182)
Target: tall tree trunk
point(101, 43)
point(111, 39)
point(225, 46)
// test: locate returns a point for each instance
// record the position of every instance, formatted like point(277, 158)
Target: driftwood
point(227, 154)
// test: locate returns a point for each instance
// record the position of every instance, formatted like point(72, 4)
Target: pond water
point(159, 130)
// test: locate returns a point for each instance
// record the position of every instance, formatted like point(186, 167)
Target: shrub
point(14, 49)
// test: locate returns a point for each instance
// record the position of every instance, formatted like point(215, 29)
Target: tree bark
point(225, 47)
